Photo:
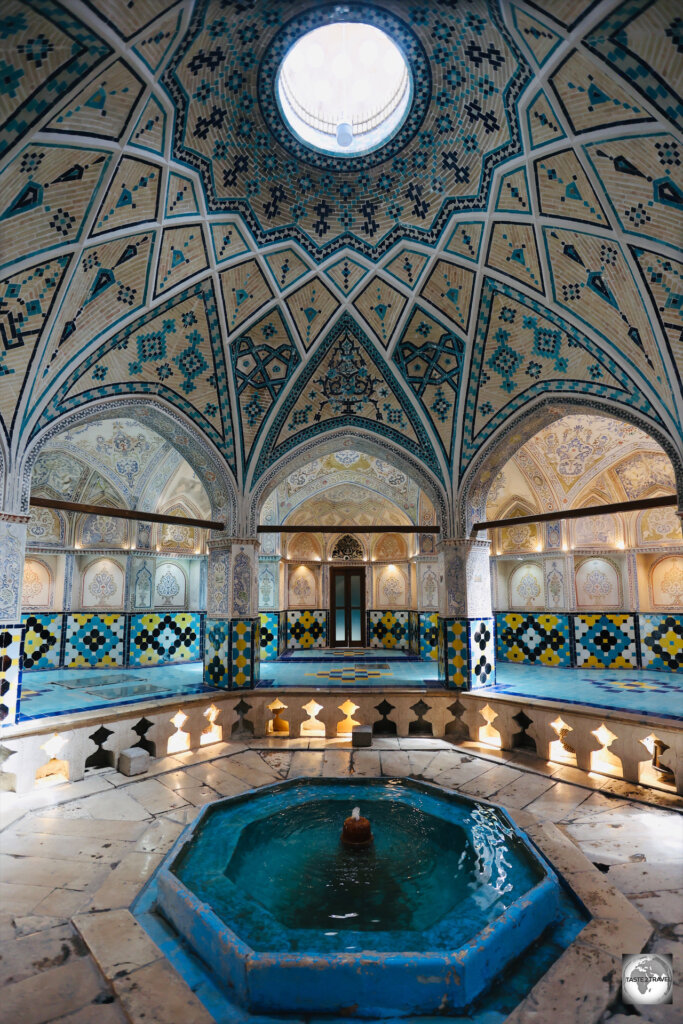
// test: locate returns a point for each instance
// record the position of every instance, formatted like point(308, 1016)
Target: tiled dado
point(111, 639)
point(466, 653)
point(388, 629)
point(232, 653)
point(533, 638)
point(612, 640)
point(10, 671)
point(269, 635)
point(306, 629)
point(429, 635)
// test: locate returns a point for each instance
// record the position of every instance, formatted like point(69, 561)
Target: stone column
point(12, 553)
point(231, 649)
point(466, 626)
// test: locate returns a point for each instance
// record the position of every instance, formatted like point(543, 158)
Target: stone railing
point(616, 744)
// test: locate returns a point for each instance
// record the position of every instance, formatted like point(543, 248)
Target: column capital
point(463, 544)
point(466, 590)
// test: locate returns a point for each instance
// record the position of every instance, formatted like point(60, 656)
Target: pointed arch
point(169, 423)
point(338, 440)
point(518, 429)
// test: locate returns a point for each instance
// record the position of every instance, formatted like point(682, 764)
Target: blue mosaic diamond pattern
point(94, 640)
point(605, 641)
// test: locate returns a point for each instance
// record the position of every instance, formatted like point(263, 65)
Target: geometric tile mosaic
point(156, 639)
point(639, 41)
point(563, 189)
point(286, 267)
point(130, 18)
point(541, 638)
point(381, 306)
point(663, 278)
point(175, 351)
point(108, 284)
point(227, 240)
point(42, 640)
point(464, 102)
point(592, 280)
point(150, 131)
point(306, 629)
point(342, 384)
point(245, 290)
point(154, 46)
point(262, 363)
point(10, 672)
point(523, 350)
point(245, 653)
point(407, 266)
point(429, 636)
point(388, 629)
point(216, 653)
point(544, 125)
point(642, 177)
point(269, 635)
point(590, 98)
point(540, 40)
point(311, 308)
point(26, 300)
point(430, 359)
point(346, 273)
point(564, 12)
point(104, 107)
point(466, 653)
point(465, 240)
point(132, 196)
point(93, 641)
point(661, 641)
point(605, 641)
point(449, 289)
point(181, 198)
point(35, 76)
point(513, 194)
point(63, 178)
point(513, 251)
point(183, 253)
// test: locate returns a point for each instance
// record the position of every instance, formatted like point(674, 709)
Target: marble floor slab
point(70, 870)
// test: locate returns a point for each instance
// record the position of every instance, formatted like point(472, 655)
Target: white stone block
point(133, 761)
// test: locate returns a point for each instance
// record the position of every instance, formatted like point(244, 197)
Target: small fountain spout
point(356, 831)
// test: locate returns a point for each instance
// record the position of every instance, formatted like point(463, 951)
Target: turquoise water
point(274, 869)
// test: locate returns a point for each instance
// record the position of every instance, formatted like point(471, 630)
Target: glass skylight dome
point(344, 88)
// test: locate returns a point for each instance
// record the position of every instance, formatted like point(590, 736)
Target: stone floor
point(73, 857)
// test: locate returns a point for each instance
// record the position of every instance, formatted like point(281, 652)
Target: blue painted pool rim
point(387, 984)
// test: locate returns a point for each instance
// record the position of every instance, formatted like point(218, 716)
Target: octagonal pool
point(422, 920)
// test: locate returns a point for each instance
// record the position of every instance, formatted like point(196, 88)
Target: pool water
point(415, 870)
point(425, 921)
point(285, 881)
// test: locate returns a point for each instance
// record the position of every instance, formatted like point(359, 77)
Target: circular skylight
point(344, 88)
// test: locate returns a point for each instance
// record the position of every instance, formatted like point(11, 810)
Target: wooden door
point(347, 607)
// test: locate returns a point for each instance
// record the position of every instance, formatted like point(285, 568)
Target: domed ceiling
point(164, 235)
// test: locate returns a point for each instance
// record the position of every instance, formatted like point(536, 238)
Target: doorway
point(347, 607)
